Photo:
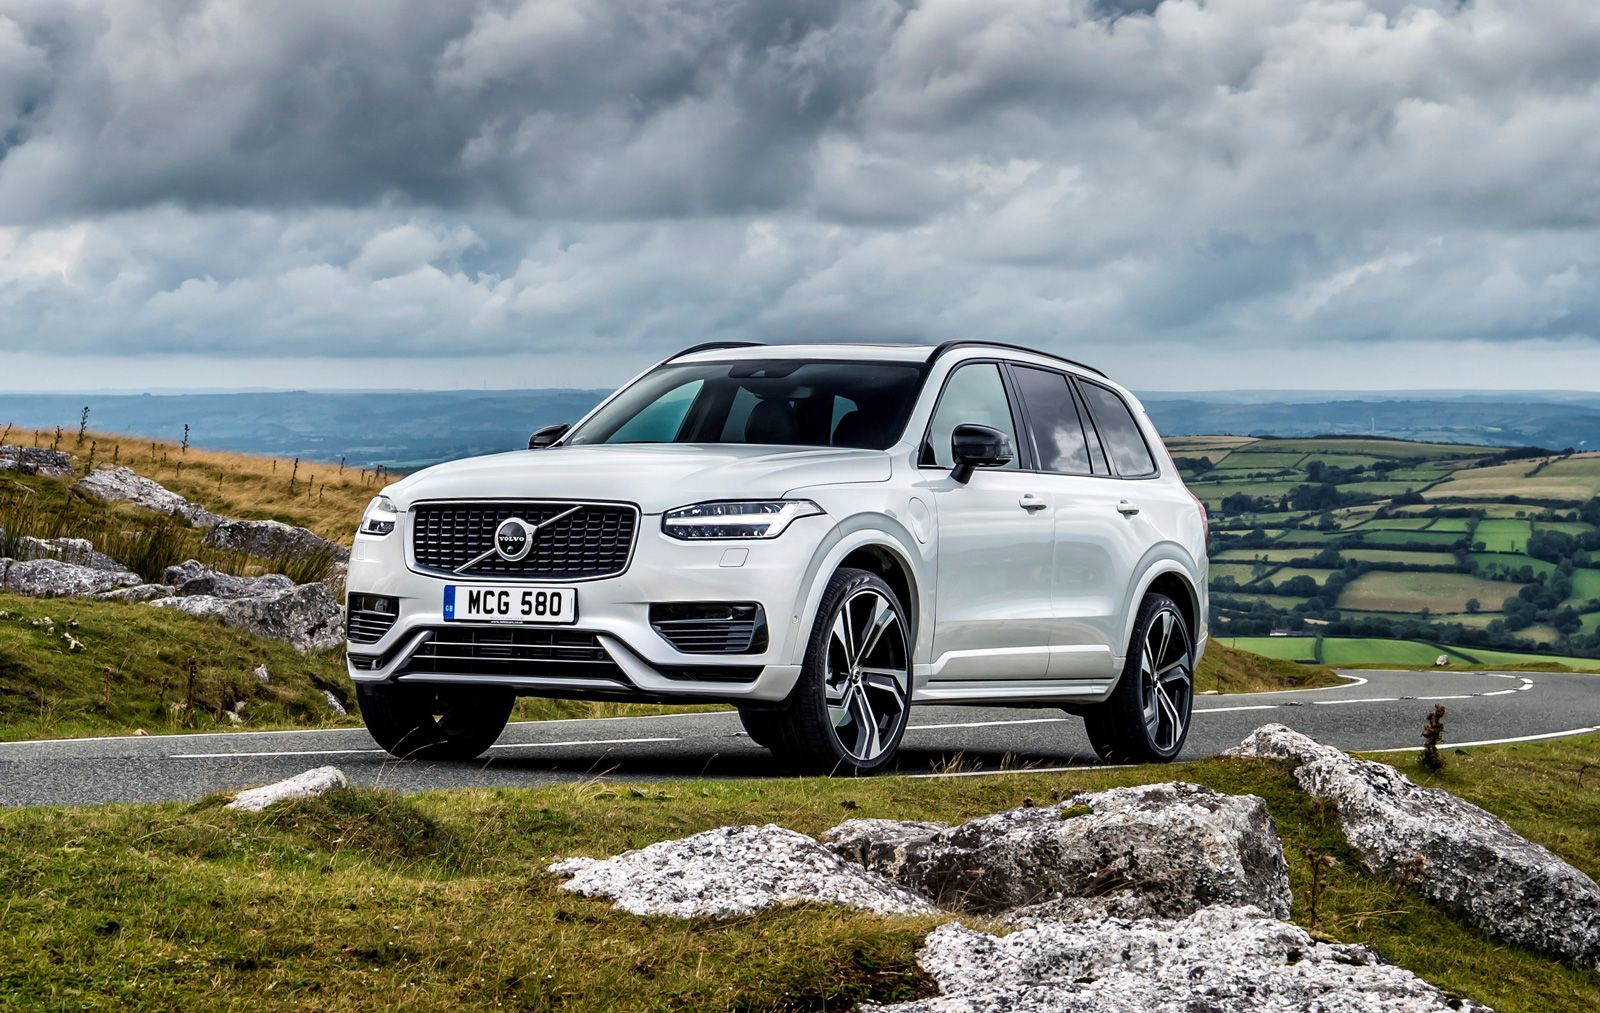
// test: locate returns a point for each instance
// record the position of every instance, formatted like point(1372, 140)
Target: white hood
point(656, 476)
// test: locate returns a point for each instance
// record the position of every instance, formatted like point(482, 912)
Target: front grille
point(711, 627)
point(515, 651)
point(368, 617)
point(594, 542)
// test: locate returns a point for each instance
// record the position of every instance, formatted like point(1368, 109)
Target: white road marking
point(344, 752)
point(1464, 696)
point(1490, 742)
point(1224, 710)
point(1499, 692)
point(1366, 699)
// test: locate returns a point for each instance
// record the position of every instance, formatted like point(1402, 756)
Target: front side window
point(973, 395)
point(773, 402)
point(1058, 441)
point(1130, 455)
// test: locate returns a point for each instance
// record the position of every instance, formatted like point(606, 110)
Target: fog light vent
point(369, 616)
point(711, 627)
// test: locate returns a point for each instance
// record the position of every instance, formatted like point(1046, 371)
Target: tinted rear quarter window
point(1053, 422)
point(1118, 432)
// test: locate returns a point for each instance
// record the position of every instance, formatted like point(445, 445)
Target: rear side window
point(1120, 435)
point(1053, 422)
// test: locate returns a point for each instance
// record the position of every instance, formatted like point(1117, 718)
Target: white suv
point(820, 535)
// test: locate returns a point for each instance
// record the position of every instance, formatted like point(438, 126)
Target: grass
point(316, 495)
point(1509, 562)
point(1411, 592)
point(1226, 669)
point(1278, 648)
point(1408, 557)
point(440, 901)
point(1365, 651)
point(1576, 478)
point(1502, 535)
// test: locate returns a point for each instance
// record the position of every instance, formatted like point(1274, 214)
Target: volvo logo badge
point(512, 539)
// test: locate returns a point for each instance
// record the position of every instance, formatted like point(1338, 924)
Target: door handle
point(1030, 503)
point(1126, 508)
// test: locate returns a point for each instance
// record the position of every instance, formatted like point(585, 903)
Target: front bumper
point(639, 664)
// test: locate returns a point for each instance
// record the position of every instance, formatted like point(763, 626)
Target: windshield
point(777, 402)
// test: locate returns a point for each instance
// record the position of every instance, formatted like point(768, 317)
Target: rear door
point(1090, 544)
point(993, 610)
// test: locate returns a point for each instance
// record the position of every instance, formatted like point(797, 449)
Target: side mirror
point(547, 435)
point(974, 446)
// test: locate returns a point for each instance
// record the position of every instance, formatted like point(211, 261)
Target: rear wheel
point(1146, 718)
point(422, 722)
point(848, 711)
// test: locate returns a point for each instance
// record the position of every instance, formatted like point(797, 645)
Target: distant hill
point(409, 429)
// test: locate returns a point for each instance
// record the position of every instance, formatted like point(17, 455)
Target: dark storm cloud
point(480, 179)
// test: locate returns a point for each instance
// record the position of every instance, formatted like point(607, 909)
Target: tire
point(1146, 718)
point(765, 727)
point(422, 722)
point(848, 711)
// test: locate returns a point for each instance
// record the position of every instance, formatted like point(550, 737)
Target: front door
point(995, 570)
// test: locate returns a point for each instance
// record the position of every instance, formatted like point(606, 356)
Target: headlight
point(736, 519)
point(380, 517)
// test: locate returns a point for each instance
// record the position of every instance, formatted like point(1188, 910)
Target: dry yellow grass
point(315, 495)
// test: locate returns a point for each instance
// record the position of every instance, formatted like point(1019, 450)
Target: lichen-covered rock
point(1219, 958)
point(1157, 850)
point(733, 871)
point(192, 577)
point(68, 550)
point(1461, 856)
point(124, 485)
point(307, 617)
point(137, 593)
point(36, 461)
point(272, 540)
point(312, 783)
point(51, 578)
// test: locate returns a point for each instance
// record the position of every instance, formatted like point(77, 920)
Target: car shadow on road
point(752, 762)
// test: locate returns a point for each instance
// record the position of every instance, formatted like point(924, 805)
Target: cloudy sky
point(1234, 193)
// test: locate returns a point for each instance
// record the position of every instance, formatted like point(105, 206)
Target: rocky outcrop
point(1456, 853)
point(307, 617)
point(733, 871)
point(36, 461)
point(272, 540)
point(124, 485)
point(139, 592)
point(1219, 958)
point(1161, 850)
point(51, 578)
point(192, 577)
point(80, 551)
point(312, 783)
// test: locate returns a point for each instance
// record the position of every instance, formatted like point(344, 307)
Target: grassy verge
point(1227, 669)
point(440, 900)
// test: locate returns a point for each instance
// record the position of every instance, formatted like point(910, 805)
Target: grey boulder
point(1466, 859)
point(307, 617)
point(1218, 958)
point(312, 783)
point(51, 578)
point(80, 551)
point(36, 461)
point(1161, 850)
point(733, 871)
point(191, 577)
point(272, 540)
point(137, 593)
point(124, 485)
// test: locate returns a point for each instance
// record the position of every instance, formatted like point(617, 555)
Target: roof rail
point(964, 342)
point(708, 346)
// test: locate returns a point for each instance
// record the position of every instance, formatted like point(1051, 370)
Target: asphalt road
point(1375, 711)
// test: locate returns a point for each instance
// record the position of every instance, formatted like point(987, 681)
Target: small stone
point(262, 675)
point(333, 703)
point(312, 783)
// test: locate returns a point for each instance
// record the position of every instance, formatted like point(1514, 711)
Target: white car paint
point(1024, 585)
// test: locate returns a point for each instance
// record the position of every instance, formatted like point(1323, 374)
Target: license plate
point(510, 603)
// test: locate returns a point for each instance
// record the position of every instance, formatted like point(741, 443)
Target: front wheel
point(422, 722)
point(1146, 718)
point(848, 710)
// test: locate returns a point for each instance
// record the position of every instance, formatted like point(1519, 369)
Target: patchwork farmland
point(1481, 554)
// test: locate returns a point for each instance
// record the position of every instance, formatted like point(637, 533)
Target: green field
point(1396, 524)
point(1565, 527)
point(1360, 651)
point(1290, 572)
point(1412, 592)
point(1585, 584)
point(1459, 525)
point(1394, 539)
point(1270, 555)
point(1508, 562)
point(1282, 648)
point(1502, 535)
